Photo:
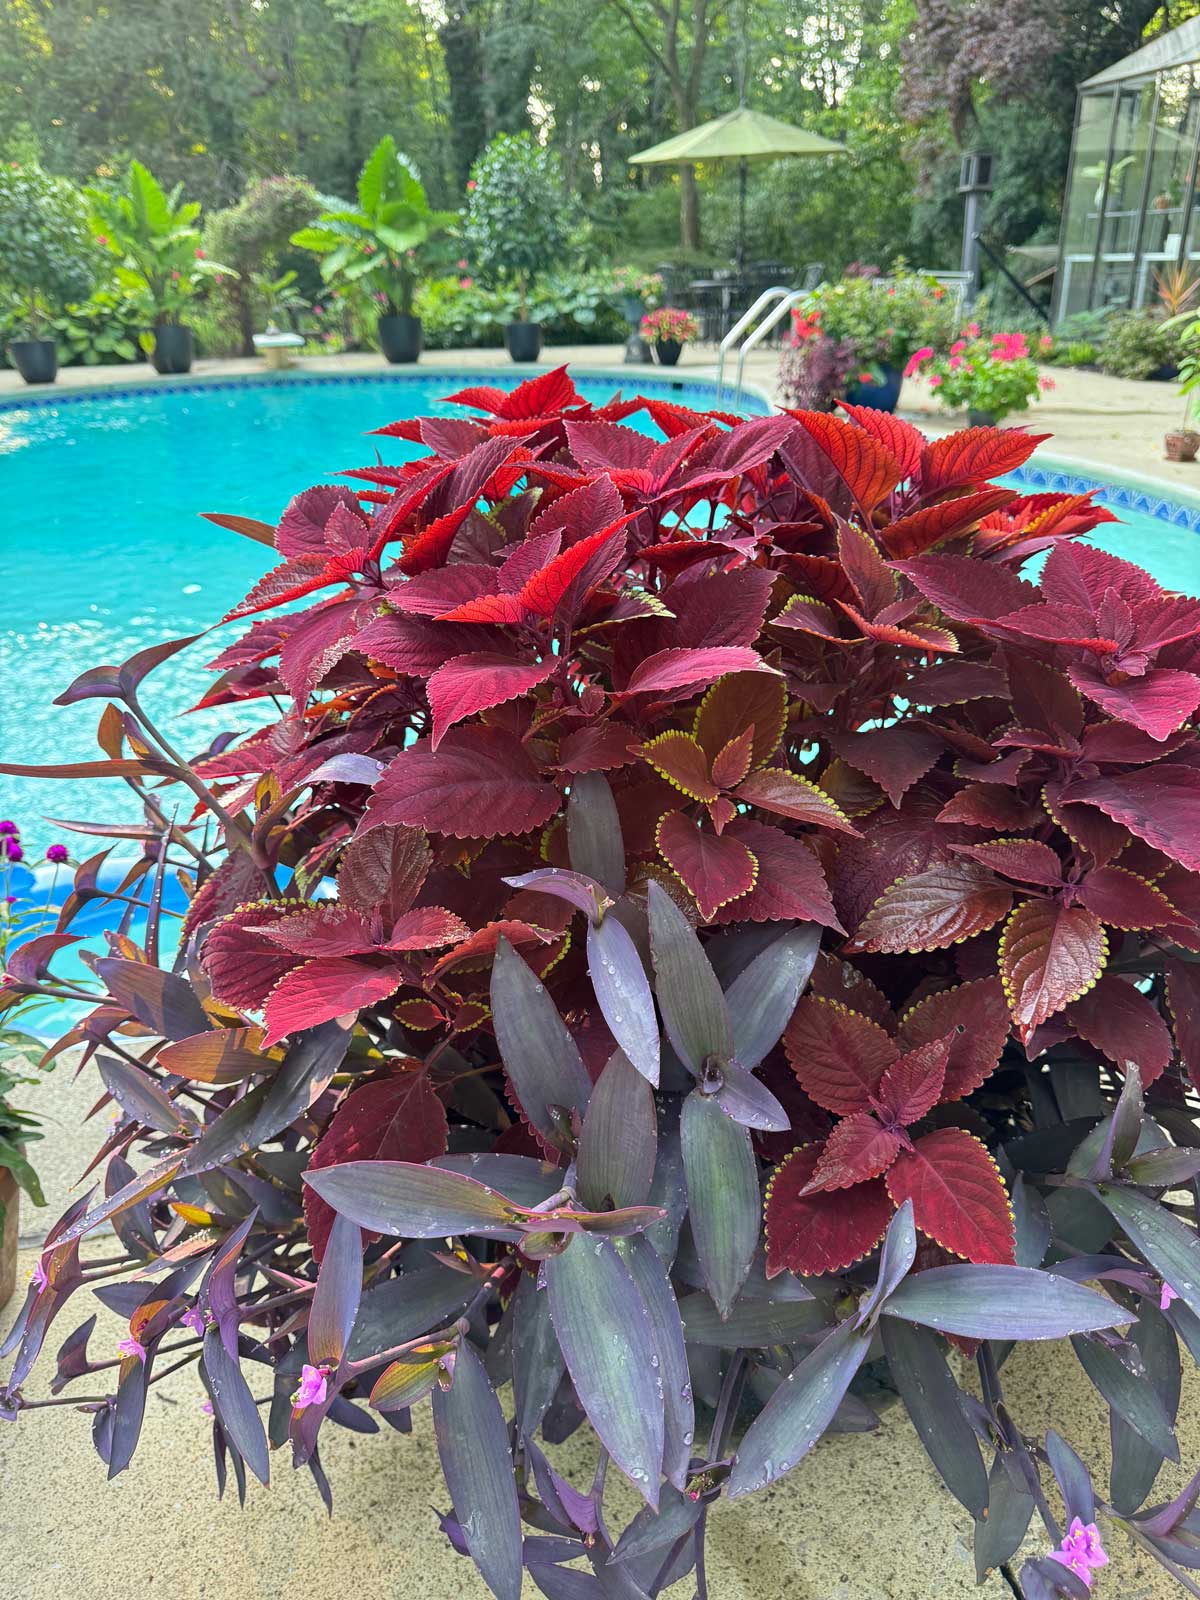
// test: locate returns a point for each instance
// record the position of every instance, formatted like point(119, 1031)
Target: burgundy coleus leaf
point(242, 964)
point(302, 528)
point(863, 462)
point(895, 758)
point(398, 1118)
point(383, 871)
point(327, 929)
point(790, 886)
point(470, 683)
point(857, 1149)
point(559, 590)
point(1119, 1020)
point(323, 989)
point(900, 439)
point(668, 671)
point(958, 1196)
point(1160, 804)
point(736, 703)
point(973, 1020)
point(548, 394)
point(973, 455)
point(1026, 860)
point(812, 1234)
point(1050, 955)
point(942, 905)
point(713, 868)
point(912, 1085)
point(578, 514)
point(787, 794)
point(968, 590)
point(1125, 900)
point(680, 759)
point(838, 1055)
point(480, 783)
point(1158, 702)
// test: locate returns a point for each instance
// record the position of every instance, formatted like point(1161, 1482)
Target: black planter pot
point(881, 396)
point(401, 339)
point(524, 340)
point(981, 419)
point(35, 359)
point(173, 349)
point(668, 351)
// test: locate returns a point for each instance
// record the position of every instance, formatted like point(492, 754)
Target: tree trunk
point(689, 209)
point(462, 52)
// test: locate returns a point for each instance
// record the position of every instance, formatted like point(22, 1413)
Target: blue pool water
point(105, 551)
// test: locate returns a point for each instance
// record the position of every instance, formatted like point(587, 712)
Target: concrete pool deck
point(1110, 425)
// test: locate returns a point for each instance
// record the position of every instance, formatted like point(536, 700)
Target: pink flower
point(314, 1386)
point(935, 382)
point(471, 186)
point(193, 1318)
point(461, 265)
point(199, 253)
point(1045, 342)
point(38, 1275)
point(466, 283)
point(133, 1347)
point(972, 330)
point(1045, 383)
point(915, 360)
point(866, 377)
point(9, 827)
point(1076, 1564)
point(1168, 1294)
point(955, 363)
point(101, 238)
point(57, 853)
point(174, 277)
point(1083, 1539)
point(319, 310)
point(957, 346)
point(206, 1407)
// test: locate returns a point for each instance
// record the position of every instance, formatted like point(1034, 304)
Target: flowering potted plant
point(885, 319)
point(990, 377)
point(816, 370)
point(154, 237)
point(636, 292)
point(517, 216)
point(379, 245)
point(670, 329)
point(736, 929)
point(47, 261)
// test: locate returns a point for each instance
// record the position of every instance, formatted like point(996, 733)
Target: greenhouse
point(1130, 216)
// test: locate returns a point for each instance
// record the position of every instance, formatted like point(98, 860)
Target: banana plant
point(379, 243)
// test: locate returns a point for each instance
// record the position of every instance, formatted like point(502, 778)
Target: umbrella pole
point(741, 244)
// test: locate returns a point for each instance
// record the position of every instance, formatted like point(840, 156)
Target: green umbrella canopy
point(740, 135)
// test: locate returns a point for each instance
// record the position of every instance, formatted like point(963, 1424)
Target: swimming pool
point(105, 551)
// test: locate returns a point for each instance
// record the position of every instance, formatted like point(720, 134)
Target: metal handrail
point(740, 326)
point(781, 310)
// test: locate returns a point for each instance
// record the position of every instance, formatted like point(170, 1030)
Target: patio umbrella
point(743, 136)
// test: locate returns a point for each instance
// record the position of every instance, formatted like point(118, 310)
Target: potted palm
point(379, 244)
point(154, 237)
point(516, 226)
point(47, 260)
point(1182, 443)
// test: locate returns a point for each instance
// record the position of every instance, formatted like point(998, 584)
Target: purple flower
point(1076, 1563)
point(1083, 1539)
point(313, 1387)
point(8, 826)
point(193, 1319)
point(206, 1407)
point(57, 853)
point(10, 850)
point(133, 1347)
point(38, 1275)
point(1168, 1294)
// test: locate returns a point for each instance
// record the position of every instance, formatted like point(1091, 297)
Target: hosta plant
point(705, 916)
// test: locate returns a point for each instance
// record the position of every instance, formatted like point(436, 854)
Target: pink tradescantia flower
point(1083, 1539)
point(206, 1407)
point(38, 1275)
point(133, 1347)
point(193, 1318)
point(57, 853)
point(1168, 1294)
point(1075, 1563)
point(314, 1386)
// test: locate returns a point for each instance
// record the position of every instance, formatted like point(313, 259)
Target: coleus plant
point(704, 915)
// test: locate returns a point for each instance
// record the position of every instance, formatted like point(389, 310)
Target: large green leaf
point(373, 179)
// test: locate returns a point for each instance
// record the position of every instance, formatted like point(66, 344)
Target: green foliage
point(1137, 344)
point(18, 1128)
point(994, 375)
point(1073, 353)
point(379, 244)
point(886, 319)
point(47, 257)
point(574, 307)
point(154, 237)
point(253, 234)
point(518, 214)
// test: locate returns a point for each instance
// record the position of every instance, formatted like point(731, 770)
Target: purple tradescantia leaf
point(649, 1531)
point(129, 1410)
point(522, 1179)
point(140, 1097)
point(623, 993)
point(1072, 1477)
point(931, 1398)
point(1045, 1579)
point(723, 1196)
point(1164, 1169)
point(608, 1344)
point(537, 1364)
point(336, 1297)
point(896, 1257)
point(679, 1414)
point(1136, 1460)
point(161, 1000)
point(799, 1411)
point(1130, 1396)
point(989, 1302)
point(348, 767)
point(619, 1139)
point(108, 683)
point(410, 1201)
point(756, 1324)
point(763, 996)
point(747, 1101)
point(541, 1058)
point(584, 893)
point(218, 1292)
point(1170, 1246)
point(1010, 1506)
point(233, 1405)
point(565, 1503)
point(594, 840)
point(472, 1441)
point(693, 1006)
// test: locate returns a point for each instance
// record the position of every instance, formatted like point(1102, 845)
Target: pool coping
point(1174, 503)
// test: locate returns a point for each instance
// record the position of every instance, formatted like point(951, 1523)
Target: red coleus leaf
point(670, 670)
point(867, 467)
point(1183, 1000)
point(1026, 860)
point(858, 1148)
point(1050, 954)
point(713, 868)
point(398, 1118)
point(943, 905)
point(740, 701)
point(894, 758)
point(1119, 1020)
point(600, 747)
point(470, 683)
point(838, 1055)
point(580, 513)
point(426, 928)
point(301, 530)
point(548, 393)
point(950, 519)
point(912, 1085)
point(787, 794)
point(813, 1234)
point(328, 929)
point(678, 758)
point(732, 761)
point(833, 979)
point(958, 1196)
point(1160, 804)
point(790, 886)
point(242, 964)
point(973, 1020)
point(1124, 900)
point(989, 805)
point(900, 439)
point(974, 455)
point(966, 589)
point(914, 636)
point(480, 783)
point(1158, 702)
point(384, 870)
point(477, 951)
point(560, 589)
point(323, 989)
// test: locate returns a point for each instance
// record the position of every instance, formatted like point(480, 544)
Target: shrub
point(104, 328)
point(253, 236)
point(518, 214)
point(604, 764)
point(571, 307)
point(47, 257)
point(886, 319)
point(1138, 344)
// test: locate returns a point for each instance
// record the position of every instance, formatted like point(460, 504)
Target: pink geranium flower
point(915, 360)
